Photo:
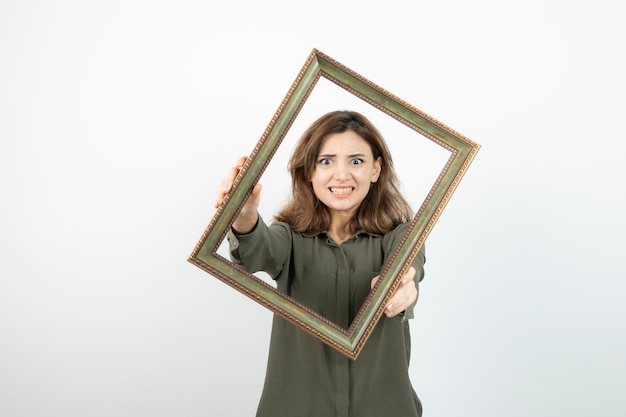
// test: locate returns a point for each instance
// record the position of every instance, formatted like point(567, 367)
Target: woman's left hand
point(405, 295)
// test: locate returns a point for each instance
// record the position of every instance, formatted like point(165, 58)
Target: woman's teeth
point(336, 190)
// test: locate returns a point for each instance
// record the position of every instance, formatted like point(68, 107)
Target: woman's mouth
point(341, 190)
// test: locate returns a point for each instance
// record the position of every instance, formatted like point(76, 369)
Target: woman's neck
point(339, 229)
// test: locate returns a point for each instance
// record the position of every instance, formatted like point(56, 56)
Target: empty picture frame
point(348, 341)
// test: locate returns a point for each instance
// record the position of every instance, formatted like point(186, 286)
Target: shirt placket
point(342, 370)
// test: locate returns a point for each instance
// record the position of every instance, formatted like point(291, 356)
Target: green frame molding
point(347, 341)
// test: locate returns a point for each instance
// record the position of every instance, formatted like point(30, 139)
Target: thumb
point(256, 191)
point(374, 281)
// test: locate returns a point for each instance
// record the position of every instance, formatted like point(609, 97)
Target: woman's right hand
point(248, 216)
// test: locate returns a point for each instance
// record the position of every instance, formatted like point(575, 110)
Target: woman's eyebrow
point(352, 155)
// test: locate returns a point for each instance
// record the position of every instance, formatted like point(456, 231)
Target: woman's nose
point(341, 171)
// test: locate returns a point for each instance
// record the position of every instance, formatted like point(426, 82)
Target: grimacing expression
point(344, 172)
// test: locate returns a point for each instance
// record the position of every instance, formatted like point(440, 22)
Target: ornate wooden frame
point(347, 341)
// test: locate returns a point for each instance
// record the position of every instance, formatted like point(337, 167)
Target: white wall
point(118, 118)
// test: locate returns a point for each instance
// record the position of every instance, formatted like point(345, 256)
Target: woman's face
point(344, 171)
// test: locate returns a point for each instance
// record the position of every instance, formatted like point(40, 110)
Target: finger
point(256, 191)
point(230, 178)
point(232, 174)
point(402, 299)
point(220, 193)
point(410, 274)
point(241, 161)
point(404, 290)
point(374, 281)
point(396, 305)
point(226, 184)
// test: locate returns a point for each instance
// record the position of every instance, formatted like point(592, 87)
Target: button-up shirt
point(305, 377)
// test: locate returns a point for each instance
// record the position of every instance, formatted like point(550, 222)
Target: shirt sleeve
point(265, 248)
point(418, 264)
point(392, 240)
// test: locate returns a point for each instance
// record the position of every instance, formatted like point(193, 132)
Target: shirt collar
point(360, 232)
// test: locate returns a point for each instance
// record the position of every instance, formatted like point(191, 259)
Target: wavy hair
point(383, 208)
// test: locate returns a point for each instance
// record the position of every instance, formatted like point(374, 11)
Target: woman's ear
point(377, 169)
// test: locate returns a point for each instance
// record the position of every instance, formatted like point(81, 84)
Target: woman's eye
point(324, 161)
point(357, 161)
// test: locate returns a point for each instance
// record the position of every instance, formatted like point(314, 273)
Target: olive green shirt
point(305, 377)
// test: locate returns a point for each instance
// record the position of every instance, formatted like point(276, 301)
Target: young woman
point(325, 248)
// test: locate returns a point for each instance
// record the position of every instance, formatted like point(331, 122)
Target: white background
point(118, 118)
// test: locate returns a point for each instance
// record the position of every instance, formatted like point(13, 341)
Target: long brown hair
point(383, 208)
